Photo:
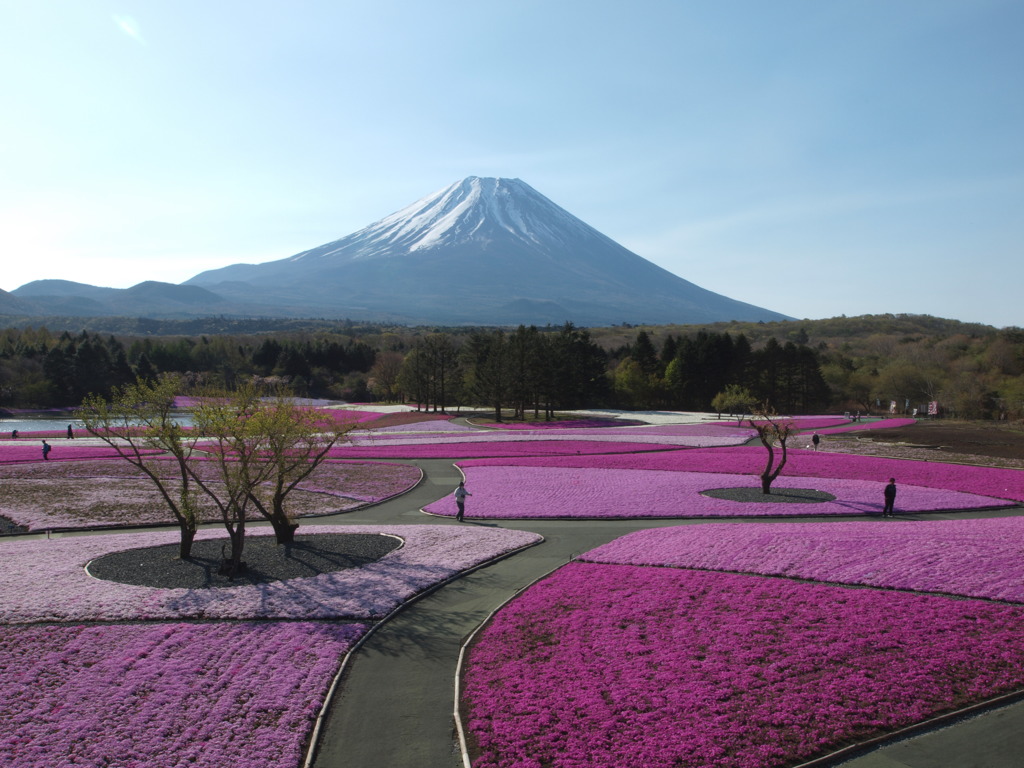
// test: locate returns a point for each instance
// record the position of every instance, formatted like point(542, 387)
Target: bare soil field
point(975, 442)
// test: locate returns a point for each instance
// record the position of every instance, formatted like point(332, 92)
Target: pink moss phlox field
point(973, 558)
point(19, 453)
point(490, 449)
point(880, 424)
point(986, 481)
point(346, 416)
point(805, 423)
point(609, 666)
point(162, 695)
point(430, 555)
point(538, 492)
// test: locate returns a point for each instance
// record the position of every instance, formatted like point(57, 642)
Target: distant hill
point(148, 299)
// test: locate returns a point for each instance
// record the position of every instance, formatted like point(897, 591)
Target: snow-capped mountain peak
point(472, 210)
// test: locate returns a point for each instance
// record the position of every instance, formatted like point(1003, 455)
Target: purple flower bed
point(85, 494)
point(204, 695)
point(749, 460)
point(430, 554)
point(973, 558)
point(537, 492)
point(609, 666)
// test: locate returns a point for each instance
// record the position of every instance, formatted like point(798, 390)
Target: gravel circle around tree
point(777, 496)
point(266, 561)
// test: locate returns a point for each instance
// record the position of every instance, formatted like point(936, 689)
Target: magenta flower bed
point(882, 424)
point(490, 449)
point(973, 558)
point(203, 695)
point(429, 555)
point(608, 666)
point(989, 481)
point(538, 492)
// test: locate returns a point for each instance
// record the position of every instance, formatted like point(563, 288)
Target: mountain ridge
point(482, 251)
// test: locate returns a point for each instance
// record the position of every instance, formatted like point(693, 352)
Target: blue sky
point(814, 158)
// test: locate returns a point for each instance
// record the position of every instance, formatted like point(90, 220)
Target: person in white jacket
point(460, 500)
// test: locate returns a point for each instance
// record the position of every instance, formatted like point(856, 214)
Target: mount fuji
point(483, 251)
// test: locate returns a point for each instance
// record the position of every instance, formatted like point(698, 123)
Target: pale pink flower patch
point(46, 580)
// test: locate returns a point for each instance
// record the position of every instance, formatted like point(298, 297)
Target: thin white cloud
point(130, 27)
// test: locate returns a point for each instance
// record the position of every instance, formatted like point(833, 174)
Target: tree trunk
point(188, 535)
point(767, 476)
point(285, 533)
point(233, 566)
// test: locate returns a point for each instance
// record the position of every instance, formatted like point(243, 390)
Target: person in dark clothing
point(71, 433)
point(46, 451)
point(890, 498)
point(815, 438)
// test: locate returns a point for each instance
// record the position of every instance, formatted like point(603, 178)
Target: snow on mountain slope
point(466, 211)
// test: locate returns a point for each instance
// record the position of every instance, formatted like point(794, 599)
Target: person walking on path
point(46, 451)
point(815, 438)
point(71, 433)
point(890, 498)
point(460, 500)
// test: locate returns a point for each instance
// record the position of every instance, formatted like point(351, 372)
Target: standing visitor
point(460, 500)
point(815, 439)
point(46, 451)
point(71, 434)
point(890, 498)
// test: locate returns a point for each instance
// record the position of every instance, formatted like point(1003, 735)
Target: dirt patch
point(989, 439)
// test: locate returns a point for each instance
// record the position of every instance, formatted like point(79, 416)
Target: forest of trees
point(839, 364)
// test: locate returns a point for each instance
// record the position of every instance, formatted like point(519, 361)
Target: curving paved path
point(394, 706)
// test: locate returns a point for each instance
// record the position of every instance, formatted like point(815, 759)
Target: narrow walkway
point(394, 707)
